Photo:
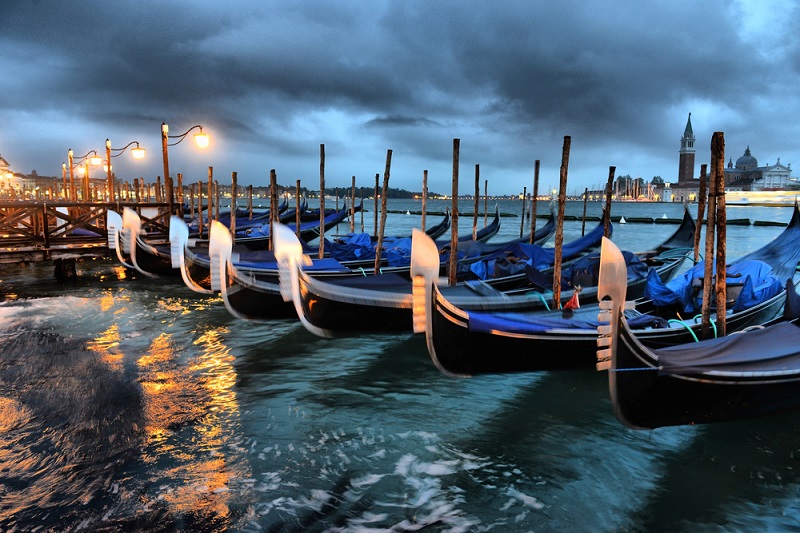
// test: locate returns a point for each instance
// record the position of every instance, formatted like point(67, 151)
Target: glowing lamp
point(138, 152)
point(95, 160)
point(201, 139)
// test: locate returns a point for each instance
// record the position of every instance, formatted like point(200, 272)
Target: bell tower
point(686, 164)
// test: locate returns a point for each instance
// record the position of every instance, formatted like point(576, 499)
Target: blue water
point(134, 404)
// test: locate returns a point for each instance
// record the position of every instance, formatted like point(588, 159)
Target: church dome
point(747, 161)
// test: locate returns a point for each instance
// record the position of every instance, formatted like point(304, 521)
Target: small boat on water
point(459, 339)
point(247, 287)
point(335, 306)
point(193, 257)
point(743, 375)
point(154, 257)
point(125, 237)
point(783, 198)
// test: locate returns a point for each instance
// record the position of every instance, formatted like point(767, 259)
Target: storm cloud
point(272, 81)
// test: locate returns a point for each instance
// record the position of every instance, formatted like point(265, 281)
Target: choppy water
point(131, 404)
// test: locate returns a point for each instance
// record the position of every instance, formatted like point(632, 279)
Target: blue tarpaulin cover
point(532, 323)
point(755, 278)
point(515, 256)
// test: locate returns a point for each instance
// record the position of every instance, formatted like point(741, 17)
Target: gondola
point(194, 260)
point(155, 258)
point(257, 237)
point(149, 257)
point(244, 219)
point(743, 375)
point(379, 303)
point(251, 289)
point(336, 306)
point(459, 339)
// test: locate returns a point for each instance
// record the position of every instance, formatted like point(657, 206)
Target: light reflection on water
point(133, 404)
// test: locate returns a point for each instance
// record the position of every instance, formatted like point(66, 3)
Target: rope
point(699, 318)
point(541, 298)
point(684, 324)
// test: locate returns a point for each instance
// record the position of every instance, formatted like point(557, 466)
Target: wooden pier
point(45, 230)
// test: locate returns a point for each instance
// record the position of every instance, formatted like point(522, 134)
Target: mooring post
point(353, 205)
point(607, 210)
point(65, 269)
point(210, 194)
point(424, 197)
point(273, 206)
point(562, 198)
point(375, 206)
point(701, 206)
point(384, 193)
point(321, 200)
point(718, 162)
point(533, 200)
point(234, 205)
point(585, 199)
point(454, 208)
point(708, 265)
point(297, 208)
point(475, 204)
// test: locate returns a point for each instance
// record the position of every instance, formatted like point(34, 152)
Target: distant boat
point(785, 198)
point(622, 220)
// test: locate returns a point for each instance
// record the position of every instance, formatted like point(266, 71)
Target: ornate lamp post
point(93, 160)
point(138, 153)
point(200, 138)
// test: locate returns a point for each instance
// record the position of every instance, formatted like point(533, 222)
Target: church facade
point(744, 175)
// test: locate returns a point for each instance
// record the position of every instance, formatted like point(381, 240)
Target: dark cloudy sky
point(273, 80)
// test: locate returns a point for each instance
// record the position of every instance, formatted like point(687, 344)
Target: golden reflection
point(205, 490)
point(106, 301)
point(197, 400)
point(106, 343)
point(117, 272)
point(12, 414)
point(216, 363)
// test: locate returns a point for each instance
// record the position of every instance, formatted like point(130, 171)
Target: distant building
point(17, 184)
point(687, 188)
point(746, 175)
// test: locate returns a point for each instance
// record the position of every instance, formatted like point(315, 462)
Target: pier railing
point(45, 230)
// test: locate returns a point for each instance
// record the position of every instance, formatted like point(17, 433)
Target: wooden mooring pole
point(718, 173)
point(353, 205)
point(701, 207)
point(533, 201)
point(451, 278)
point(297, 208)
point(384, 193)
point(476, 203)
point(708, 265)
point(424, 197)
point(559, 244)
point(321, 201)
point(273, 206)
point(375, 206)
point(607, 210)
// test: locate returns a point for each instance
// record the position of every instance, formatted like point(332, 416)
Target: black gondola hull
point(645, 398)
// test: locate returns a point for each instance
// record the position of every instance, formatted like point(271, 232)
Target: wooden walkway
point(63, 230)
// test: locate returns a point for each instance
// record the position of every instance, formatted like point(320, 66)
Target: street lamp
point(138, 153)
point(92, 159)
point(201, 139)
